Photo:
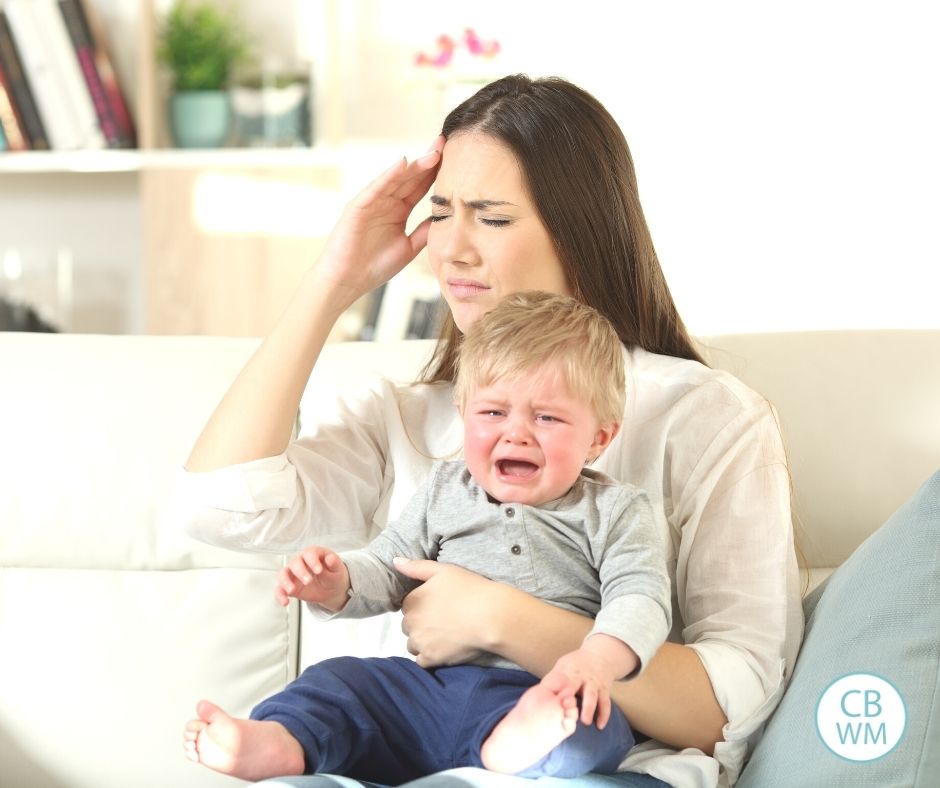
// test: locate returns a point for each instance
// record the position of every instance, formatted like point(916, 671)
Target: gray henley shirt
point(594, 551)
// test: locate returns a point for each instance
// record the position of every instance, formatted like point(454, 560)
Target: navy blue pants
point(389, 721)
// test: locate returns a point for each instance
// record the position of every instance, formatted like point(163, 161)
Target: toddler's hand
point(590, 671)
point(316, 575)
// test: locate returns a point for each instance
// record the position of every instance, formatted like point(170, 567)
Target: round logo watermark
point(861, 717)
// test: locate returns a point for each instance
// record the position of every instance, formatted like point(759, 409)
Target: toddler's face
point(526, 440)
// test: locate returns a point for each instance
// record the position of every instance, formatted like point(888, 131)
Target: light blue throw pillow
point(878, 614)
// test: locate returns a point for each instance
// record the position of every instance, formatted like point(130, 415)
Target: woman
point(534, 188)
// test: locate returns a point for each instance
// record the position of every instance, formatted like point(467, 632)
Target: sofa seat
point(113, 623)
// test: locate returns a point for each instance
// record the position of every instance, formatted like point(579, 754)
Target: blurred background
point(787, 156)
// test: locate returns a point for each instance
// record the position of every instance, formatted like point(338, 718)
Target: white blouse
point(705, 447)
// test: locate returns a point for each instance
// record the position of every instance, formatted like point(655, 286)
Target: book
point(68, 73)
point(21, 94)
point(52, 102)
point(92, 30)
point(84, 51)
point(11, 125)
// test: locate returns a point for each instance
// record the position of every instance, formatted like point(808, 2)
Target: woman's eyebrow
point(478, 205)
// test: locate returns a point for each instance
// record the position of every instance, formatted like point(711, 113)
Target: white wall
point(787, 152)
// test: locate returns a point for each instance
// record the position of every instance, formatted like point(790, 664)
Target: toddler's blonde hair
point(530, 330)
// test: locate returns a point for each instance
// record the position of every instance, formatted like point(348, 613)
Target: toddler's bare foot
point(539, 722)
point(250, 749)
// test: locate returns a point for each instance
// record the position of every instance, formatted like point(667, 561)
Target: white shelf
point(78, 161)
point(105, 161)
point(110, 161)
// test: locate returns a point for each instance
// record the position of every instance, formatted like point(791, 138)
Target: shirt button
point(515, 549)
point(510, 512)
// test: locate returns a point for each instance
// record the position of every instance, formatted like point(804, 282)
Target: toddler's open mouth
point(518, 469)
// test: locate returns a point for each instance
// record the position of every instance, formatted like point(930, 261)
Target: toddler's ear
point(602, 438)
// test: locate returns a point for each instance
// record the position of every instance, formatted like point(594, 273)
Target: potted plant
point(201, 46)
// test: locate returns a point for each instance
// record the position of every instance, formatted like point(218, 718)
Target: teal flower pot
point(200, 118)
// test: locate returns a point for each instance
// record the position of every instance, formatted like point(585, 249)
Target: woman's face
point(486, 238)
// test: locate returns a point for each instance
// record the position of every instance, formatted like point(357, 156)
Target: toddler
point(540, 388)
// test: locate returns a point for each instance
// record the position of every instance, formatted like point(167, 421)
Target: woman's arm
point(256, 416)
point(368, 246)
point(671, 701)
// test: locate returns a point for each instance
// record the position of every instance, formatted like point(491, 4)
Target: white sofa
point(113, 623)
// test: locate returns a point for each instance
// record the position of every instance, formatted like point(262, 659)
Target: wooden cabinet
point(213, 262)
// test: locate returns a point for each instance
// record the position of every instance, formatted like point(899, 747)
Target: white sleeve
point(324, 489)
point(736, 575)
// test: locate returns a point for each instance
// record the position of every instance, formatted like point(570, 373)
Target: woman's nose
point(458, 246)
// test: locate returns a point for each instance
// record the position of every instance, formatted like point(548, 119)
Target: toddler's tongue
point(519, 468)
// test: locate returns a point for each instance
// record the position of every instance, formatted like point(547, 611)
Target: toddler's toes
point(191, 738)
point(193, 729)
point(208, 711)
point(190, 748)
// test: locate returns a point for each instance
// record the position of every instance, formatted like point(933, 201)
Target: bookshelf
point(199, 241)
point(303, 31)
point(191, 271)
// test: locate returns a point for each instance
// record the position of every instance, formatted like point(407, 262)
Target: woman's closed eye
point(488, 221)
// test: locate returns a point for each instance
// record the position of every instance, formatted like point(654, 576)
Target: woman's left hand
point(446, 616)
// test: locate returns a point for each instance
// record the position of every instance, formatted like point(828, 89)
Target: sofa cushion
point(101, 668)
point(878, 615)
point(94, 430)
point(858, 412)
point(113, 623)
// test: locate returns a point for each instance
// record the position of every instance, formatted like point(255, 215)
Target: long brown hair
point(580, 175)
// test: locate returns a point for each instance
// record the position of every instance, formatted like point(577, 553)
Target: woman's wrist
point(323, 292)
point(494, 631)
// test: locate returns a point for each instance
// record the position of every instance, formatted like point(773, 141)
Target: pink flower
point(479, 47)
point(446, 46)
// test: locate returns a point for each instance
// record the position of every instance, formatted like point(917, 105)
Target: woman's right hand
point(442, 616)
point(455, 615)
point(369, 243)
point(367, 247)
